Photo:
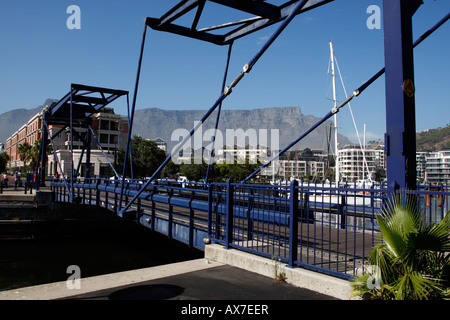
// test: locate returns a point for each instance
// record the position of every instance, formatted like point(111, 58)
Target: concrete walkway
point(201, 279)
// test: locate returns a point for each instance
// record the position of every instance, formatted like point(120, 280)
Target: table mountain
point(290, 121)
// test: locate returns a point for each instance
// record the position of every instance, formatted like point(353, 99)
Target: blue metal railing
point(321, 227)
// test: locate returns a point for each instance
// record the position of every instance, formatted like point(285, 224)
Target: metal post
point(400, 103)
point(230, 47)
point(42, 152)
point(293, 223)
point(71, 144)
point(210, 200)
point(88, 149)
point(131, 117)
point(229, 222)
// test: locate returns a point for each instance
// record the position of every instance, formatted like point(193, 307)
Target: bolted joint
point(227, 91)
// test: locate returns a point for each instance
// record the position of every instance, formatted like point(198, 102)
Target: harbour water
point(38, 261)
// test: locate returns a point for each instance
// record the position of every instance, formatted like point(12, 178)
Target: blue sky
point(40, 57)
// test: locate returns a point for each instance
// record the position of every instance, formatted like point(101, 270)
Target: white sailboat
point(365, 182)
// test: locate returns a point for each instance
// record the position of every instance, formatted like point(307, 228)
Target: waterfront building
point(161, 144)
point(30, 132)
point(438, 167)
point(302, 164)
point(250, 153)
point(421, 163)
point(110, 130)
point(356, 163)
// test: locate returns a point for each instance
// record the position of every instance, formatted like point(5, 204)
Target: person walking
point(5, 180)
point(16, 180)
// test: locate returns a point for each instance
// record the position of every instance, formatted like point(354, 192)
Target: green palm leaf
point(412, 256)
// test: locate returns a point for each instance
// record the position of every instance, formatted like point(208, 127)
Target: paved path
point(191, 280)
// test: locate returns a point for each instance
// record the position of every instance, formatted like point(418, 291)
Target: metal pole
point(293, 223)
point(88, 149)
point(131, 118)
point(71, 144)
point(333, 74)
point(400, 101)
point(218, 111)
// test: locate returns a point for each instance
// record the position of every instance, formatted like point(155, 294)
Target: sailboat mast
point(333, 74)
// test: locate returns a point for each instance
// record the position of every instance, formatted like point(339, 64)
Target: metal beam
point(400, 93)
point(265, 15)
point(183, 31)
point(262, 9)
point(179, 10)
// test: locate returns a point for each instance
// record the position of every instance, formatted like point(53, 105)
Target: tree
point(147, 157)
point(196, 172)
point(412, 261)
point(29, 154)
point(4, 158)
point(236, 171)
point(171, 169)
point(25, 152)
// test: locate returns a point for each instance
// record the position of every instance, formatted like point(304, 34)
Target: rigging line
point(353, 118)
point(246, 69)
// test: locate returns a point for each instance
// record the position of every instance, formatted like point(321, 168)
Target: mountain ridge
point(151, 123)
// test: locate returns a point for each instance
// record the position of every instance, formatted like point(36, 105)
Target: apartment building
point(30, 132)
point(421, 163)
point(438, 167)
point(249, 153)
point(302, 164)
point(356, 163)
point(110, 134)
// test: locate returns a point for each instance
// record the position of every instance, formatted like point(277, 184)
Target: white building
point(161, 144)
point(250, 153)
point(111, 132)
point(421, 163)
point(438, 167)
point(355, 163)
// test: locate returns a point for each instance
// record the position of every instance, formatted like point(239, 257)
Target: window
point(104, 124)
point(103, 138)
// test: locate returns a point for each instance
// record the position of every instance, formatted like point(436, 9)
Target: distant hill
point(290, 121)
point(12, 120)
point(433, 139)
point(152, 123)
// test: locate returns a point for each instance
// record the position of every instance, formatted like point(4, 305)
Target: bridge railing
point(322, 227)
point(177, 212)
point(315, 226)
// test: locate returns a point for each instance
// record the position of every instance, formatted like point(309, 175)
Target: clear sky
point(40, 57)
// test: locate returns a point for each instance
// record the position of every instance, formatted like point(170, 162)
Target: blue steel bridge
point(324, 228)
point(328, 228)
